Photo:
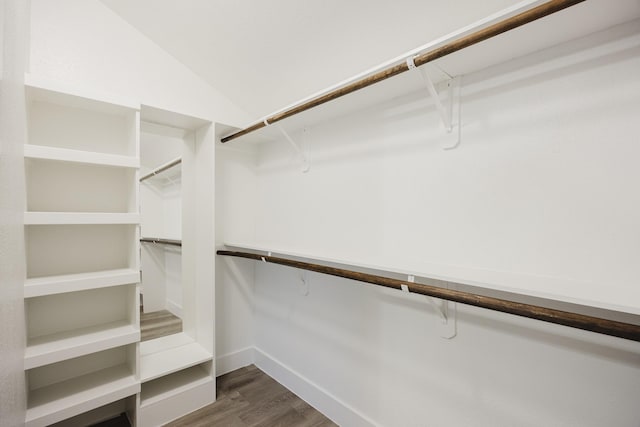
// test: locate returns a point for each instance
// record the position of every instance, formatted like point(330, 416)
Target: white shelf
point(66, 345)
point(169, 354)
point(552, 288)
point(578, 21)
point(77, 156)
point(50, 285)
point(42, 89)
point(174, 384)
point(79, 218)
point(48, 405)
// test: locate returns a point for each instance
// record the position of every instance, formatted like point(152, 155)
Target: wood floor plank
point(248, 397)
point(158, 324)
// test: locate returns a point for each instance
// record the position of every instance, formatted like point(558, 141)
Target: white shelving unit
point(173, 395)
point(170, 354)
point(177, 378)
point(65, 345)
point(82, 239)
point(177, 372)
point(58, 395)
point(82, 291)
point(78, 282)
point(77, 156)
point(79, 218)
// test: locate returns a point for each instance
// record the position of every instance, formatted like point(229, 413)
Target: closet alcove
point(176, 370)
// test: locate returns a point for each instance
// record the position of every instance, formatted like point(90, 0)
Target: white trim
point(174, 308)
point(331, 406)
point(235, 360)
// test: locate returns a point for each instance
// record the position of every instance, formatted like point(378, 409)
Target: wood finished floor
point(248, 397)
point(158, 324)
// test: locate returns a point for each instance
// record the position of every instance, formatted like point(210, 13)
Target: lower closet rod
point(161, 241)
point(575, 320)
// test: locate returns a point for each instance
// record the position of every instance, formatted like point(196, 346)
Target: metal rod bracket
point(297, 148)
point(446, 311)
point(449, 109)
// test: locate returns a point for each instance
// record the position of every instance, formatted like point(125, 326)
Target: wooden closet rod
point(161, 241)
point(580, 321)
point(498, 28)
point(162, 169)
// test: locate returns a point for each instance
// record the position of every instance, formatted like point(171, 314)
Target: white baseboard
point(236, 360)
point(325, 402)
point(174, 308)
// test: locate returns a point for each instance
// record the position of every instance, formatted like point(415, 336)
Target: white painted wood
point(79, 218)
point(42, 89)
point(50, 285)
point(164, 343)
point(575, 22)
point(69, 126)
point(82, 238)
point(170, 118)
point(331, 405)
point(56, 402)
point(51, 314)
point(446, 273)
point(87, 248)
point(53, 348)
point(54, 186)
point(178, 207)
point(169, 354)
point(32, 151)
point(171, 397)
point(235, 360)
point(98, 415)
point(171, 385)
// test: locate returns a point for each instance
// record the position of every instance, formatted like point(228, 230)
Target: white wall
point(540, 196)
point(13, 37)
point(82, 42)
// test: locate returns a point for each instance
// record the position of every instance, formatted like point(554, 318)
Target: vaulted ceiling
point(265, 55)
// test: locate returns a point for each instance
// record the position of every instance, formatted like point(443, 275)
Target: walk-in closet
point(320, 213)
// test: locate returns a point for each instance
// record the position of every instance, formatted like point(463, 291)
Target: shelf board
point(582, 20)
point(51, 285)
point(66, 345)
point(48, 405)
point(44, 152)
point(55, 92)
point(79, 218)
point(551, 288)
point(172, 385)
point(169, 354)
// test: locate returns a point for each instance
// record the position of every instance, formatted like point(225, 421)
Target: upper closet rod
point(575, 320)
point(162, 169)
point(465, 41)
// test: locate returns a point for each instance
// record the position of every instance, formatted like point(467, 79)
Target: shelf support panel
point(449, 110)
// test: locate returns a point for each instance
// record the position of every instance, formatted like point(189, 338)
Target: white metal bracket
point(300, 150)
point(449, 110)
point(446, 311)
